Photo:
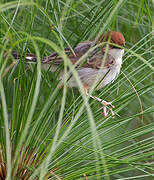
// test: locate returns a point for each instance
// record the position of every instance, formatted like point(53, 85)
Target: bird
point(103, 62)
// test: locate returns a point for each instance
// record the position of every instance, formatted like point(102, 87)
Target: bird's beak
point(124, 46)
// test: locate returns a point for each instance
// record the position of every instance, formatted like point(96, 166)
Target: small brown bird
point(102, 62)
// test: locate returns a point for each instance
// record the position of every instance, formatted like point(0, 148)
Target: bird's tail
point(32, 58)
point(28, 56)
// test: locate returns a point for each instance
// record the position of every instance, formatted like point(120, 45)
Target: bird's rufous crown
point(114, 37)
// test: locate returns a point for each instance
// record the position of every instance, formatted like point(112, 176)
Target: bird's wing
point(95, 59)
point(82, 48)
point(100, 59)
point(79, 50)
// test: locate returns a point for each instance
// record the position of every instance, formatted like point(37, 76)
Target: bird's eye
point(115, 47)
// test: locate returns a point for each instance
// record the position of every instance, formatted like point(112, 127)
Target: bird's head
point(112, 37)
point(116, 38)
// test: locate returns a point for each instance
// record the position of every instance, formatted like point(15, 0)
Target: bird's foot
point(105, 105)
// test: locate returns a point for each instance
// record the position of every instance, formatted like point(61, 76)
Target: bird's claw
point(105, 104)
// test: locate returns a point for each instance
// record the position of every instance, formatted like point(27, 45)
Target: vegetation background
point(52, 133)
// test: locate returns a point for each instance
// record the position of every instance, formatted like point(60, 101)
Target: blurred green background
point(52, 133)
